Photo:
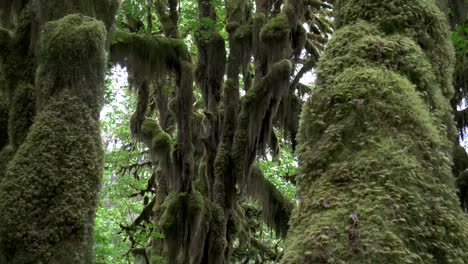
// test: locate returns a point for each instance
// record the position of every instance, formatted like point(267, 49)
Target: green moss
point(70, 48)
point(255, 119)
point(22, 110)
point(232, 26)
point(154, 136)
point(276, 29)
point(367, 196)
point(184, 217)
point(363, 44)
point(243, 33)
point(410, 19)
point(48, 205)
point(146, 55)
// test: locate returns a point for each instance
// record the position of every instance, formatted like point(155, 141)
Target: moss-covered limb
point(188, 220)
point(209, 74)
point(255, 119)
point(148, 56)
point(48, 205)
point(21, 115)
point(276, 209)
point(366, 196)
point(183, 154)
point(71, 48)
point(160, 146)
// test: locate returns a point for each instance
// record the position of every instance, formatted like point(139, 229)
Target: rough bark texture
point(375, 183)
point(51, 168)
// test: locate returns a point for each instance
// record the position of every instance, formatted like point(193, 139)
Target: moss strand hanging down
point(375, 181)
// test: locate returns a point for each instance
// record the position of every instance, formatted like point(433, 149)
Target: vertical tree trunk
point(48, 191)
point(375, 183)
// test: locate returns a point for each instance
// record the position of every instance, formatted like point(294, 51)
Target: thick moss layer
point(375, 181)
point(47, 206)
point(147, 56)
point(156, 137)
point(363, 44)
point(420, 20)
point(49, 189)
point(71, 48)
point(194, 218)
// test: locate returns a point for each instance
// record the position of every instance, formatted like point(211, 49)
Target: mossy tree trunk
point(53, 70)
point(199, 210)
point(376, 143)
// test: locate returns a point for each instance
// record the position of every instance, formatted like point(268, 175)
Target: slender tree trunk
point(375, 183)
point(49, 190)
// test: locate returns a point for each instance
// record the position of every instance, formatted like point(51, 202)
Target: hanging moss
point(276, 209)
point(203, 219)
point(47, 206)
point(255, 120)
point(21, 114)
point(147, 56)
point(70, 48)
point(276, 29)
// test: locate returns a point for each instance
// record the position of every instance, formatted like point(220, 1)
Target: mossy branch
point(276, 208)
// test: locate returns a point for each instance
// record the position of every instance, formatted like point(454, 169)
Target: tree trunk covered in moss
point(375, 183)
point(53, 70)
point(199, 210)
